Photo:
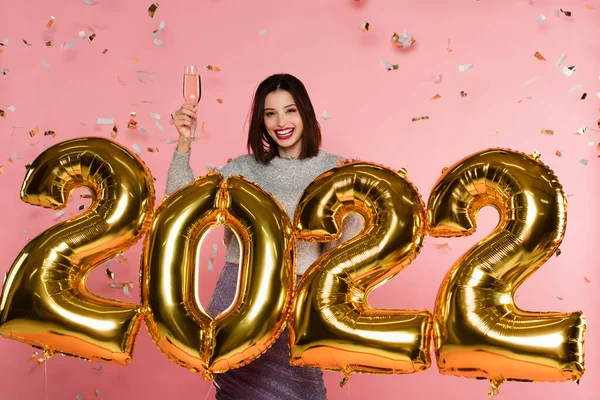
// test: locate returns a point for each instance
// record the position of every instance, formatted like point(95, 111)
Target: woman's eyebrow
point(291, 105)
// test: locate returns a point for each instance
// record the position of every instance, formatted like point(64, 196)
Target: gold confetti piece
point(104, 51)
point(220, 101)
point(50, 133)
point(134, 60)
point(109, 273)
point(132, 122)
point(388, 65)
point(33, 356)
point(539, 56)
point(81, 207)
point(463, 93)
point(49, 43)
point(567, 13)
point(50, 22)
point(212, 68)
point(558, 252)
point(152, 9)
point(90, 38)
point(34, 132)
point(2, 114)
point(203, 131)
point(549, 132)
point(95, 393)
point(153, 149)
point(40, 361)
point(404, 40)
point(1, 169)
point(559, 153)
point(583, 96)
point(448, 49)
point(114, 131)
point(589, 6)
point(25, 41)
point(425, 117)
point(586, 279)
point(437, 96)
point(85, 196)
point(364, 27)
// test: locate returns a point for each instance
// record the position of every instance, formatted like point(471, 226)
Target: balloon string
point(348, 390)
point(46, 377)
point(207, 393)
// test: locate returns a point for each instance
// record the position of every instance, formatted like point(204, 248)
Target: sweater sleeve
point(180, 173)
point(351, 227)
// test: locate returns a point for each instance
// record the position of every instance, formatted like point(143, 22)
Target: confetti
point(560, 60)
point(584, 162)
point(68, 45)
point(325, 115)
point(137, 148)
point(134, 60)
point(568, 71)
point(50, 22)
point(559, 298)
point(4, 42)
point(81, 207)
point(598, 94)
point(437, 96)
point(220, 101)
point(438, 79)
point(126, 291)
point(155, 115)
point(390, 67)
point(91, 37)
point(586, 279)
point(59, 214)
point(85, 196)
point(80, 397)
point(448, 49)
point(152, 9)
point(50, 133)
point(529, 81)
point(104, 51)
point(109, 273)
point(90, 2)
point(525, 98)
point(114, 131)
point(132, 124)
point(575, 87)
point(11, 108)
point(444, 245)
point(105, 121)
point(49, 43)
point(539, 56)
point(142, 129)
point(45, 64)
point(567, 13)
point(98, 368)
point(120, 285)
point(581, 130)
point(159, 126)
point(161, 28)
point(153, 149)
point(590, 143)
point(33, 356)
point(262, 32)
point(4, 71)
point(212, 68)
point(215, 248)
point(420, 118)
point(82, 35)
point(2, 114)
point(25, 41)
point(95, 393)
point(465, 67)
point(540, 19)
point(211, 263)
point(34, 131)
point(589, 6)
point(583, 96)
point(158, 42)
point(548, 132)
point(364, 27)
point(559, 153)
point(463, 93)
point(404, 40)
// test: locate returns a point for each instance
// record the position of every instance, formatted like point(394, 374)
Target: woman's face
point(283, 122)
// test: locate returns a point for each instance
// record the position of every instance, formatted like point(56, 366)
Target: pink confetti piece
point(444, 245)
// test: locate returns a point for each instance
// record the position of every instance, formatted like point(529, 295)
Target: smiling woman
point(284, 157)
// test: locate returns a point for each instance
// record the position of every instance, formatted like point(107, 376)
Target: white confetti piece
point(581, 130)
point(389, 65)
point(529, 81)
point(575, 87)
point(4, 71)
point(5, 42)
point(11, 108)
point(105, 121)
point(465, 67)
point(155, 115)
point(24, 233)
point(555, 12)
point(82, 35)
point(159, 126)
point(126, 291)
point(540, 19)
point(568, 71)
point(59, 214)
point(598, 94)
point(215, 248)
point(90, 2)
point(262, 32)
point(172, 141)
point(137, 148)
point(158, 42)
point(15, 156)
point(211, 263)
point(590, 142)
point(161, 28)
point(325, 115)
point(143, 130)
point(583, 161)
point(560, 60)
point(80, 397)
point(68, 45)
point(45, 64)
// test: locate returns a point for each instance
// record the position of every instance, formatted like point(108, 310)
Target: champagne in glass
point(192, 91)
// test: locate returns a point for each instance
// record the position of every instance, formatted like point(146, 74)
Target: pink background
point(370, 109)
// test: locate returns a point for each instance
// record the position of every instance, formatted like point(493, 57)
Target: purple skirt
point(270, 377)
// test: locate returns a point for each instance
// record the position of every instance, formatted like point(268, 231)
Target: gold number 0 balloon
point(176, 320)
point(45, 302)
point(479, 331)
point(332, 326)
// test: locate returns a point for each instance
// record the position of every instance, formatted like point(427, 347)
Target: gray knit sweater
point(285, 178)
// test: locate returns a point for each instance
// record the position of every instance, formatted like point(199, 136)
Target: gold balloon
point(45, 302)
point(176, 320)
point(333, 326)
point(479, 331)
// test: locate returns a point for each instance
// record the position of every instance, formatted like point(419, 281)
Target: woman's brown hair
point(260, 143)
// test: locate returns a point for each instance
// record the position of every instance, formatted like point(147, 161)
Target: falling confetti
point(220, 101)
point(437, 96)
point(33, 356)
point(49, 43)
point(567, 13)
point(448, 49)
point(155, 115)
point(404, 40)
point(589, 6)
point(104, 51)
point(389, 66)
point(109, 273)
point(25, 41)
point(529, 81)
point(540, 19)
point(90, 2)
point(11, 108)
point(465, 67)
point(34, 131)
point(161, 28)
point(50, 133)
point(211, 263)
point(425, 117)
point(81, 207)
point(212, 68)
point(2, 114)
point(559, 298)
point(364, 27)
point(68, 45)
point(152, 9)
point(95, 393)
point(215, 249)
point(132, 124)
point(548, 132)
point(159, 126)
point(586, 279)
point(568, 71)
point(91, 37)
point(559, 153)
point(438, 79)
point(581, 130)
point(262, 32)
point(463, 93)
point(575, 87)
point(114, 131)
point(158, 42)
point(444, 245)
point(583, 96)
point(153, 149)
point(98, 368)
point(136, 148)
point(539, 56)
point(50, 22)
point(59, 214)
point(82, 35)
point(46, 65)
point(105, 121)
point(583, 161)
point(525, 98)
point(560, 60)
point(325, 115)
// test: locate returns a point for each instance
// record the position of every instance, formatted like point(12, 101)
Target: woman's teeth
point(285, 134)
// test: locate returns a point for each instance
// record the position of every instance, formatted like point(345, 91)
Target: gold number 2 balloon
point(479, 331)
point(332, 326)
point(176, 320)
point(45, 302)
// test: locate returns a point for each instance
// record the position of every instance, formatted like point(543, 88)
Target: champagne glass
point(192, 91)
